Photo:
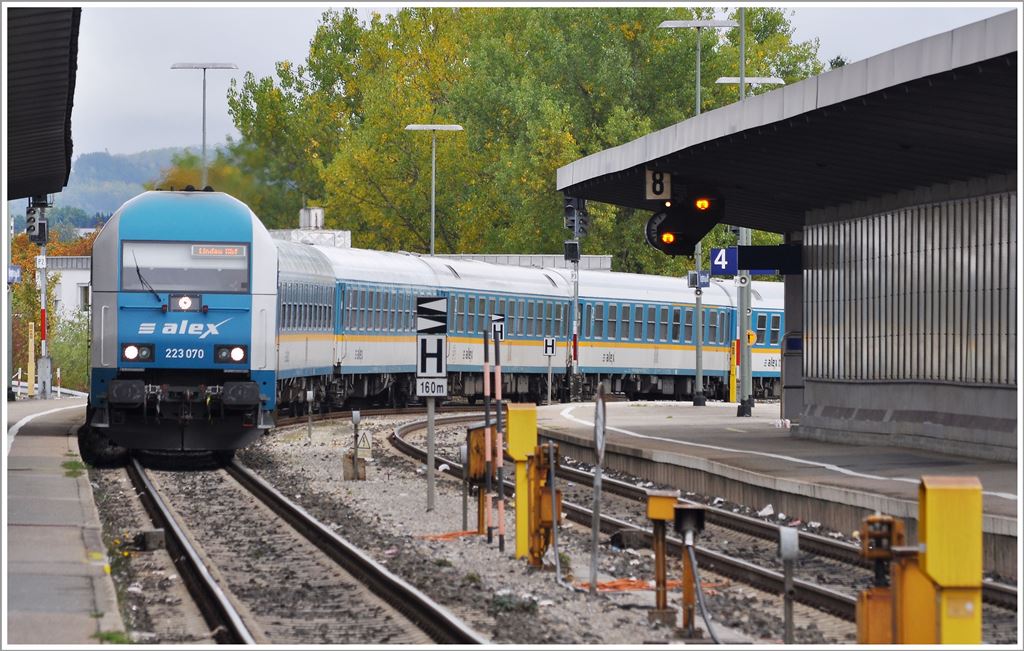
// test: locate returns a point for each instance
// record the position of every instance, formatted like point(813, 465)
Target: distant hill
point(100, 182)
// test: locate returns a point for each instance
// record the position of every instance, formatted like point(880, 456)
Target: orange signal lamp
point(668, 238)
point(702, 204)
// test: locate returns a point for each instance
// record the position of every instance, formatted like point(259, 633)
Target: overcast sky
point(127, 99)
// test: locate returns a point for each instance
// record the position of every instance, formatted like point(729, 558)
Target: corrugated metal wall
point(926, 293)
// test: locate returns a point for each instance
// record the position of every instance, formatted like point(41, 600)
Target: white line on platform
point(11, 433)
point(827, 466)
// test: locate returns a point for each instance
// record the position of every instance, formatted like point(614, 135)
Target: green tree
point(69, 349)
point(534, 88)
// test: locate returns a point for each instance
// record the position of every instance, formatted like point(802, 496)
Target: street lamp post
point(433, 128)
point(698, 385)
point(746, 376)
point(204, 67)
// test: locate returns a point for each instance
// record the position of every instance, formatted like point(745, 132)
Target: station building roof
point(42, 47)
point(939, 110)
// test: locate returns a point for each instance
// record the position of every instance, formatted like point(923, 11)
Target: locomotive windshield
point(184, 266)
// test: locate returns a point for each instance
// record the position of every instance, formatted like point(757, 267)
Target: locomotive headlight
point(184, 303)
point(230, 354)
point(137, 352)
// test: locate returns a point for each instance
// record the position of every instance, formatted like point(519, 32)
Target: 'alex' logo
point(184, 328)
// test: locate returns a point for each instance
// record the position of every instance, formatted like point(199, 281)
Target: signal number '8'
point(658, 183)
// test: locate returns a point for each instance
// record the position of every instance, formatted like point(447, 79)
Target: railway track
point(263, 570)
point(836, 602)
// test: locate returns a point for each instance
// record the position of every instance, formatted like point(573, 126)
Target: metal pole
point(698, 384)
point(574, 344)
point(787, 573)
point(488, 469)
point(499, 433)
point(697, 111)
point(430, 454)
point(433, 163)
point(746, 377)
point(595, 525)
point(549, 376)
point(204, 128)
point(554, 508)
point(44, 358)
point(12, 392)
point(698, 335)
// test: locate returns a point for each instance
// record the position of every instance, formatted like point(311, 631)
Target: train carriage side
point(307, 312)
point(638, 334)
point(534, 303)
point(767, 322)
point(375, 332)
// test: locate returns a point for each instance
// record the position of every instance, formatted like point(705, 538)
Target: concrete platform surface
point(757, 452)
point(59, 589)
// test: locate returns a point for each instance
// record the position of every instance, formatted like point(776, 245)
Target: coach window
point(723, 329)
point(483, 319)
point(549, 318)
point(599, 321)
point(510, 319)
point(663, 324)
point(762, 326)
point(776, 323)
point(712, 326)
point(500, 309)
point(688, 325)
point(559, 319)
point(471, 315)
point(529, 319)
point(613, 321)
point(638, 322)
point(652, 323)
point(460, 307)
point(675, 324)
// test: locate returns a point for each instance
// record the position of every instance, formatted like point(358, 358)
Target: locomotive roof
point(159, 214)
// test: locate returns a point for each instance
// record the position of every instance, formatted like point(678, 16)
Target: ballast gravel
point(503, 598)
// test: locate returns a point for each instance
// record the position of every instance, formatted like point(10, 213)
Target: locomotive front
point(184, 289)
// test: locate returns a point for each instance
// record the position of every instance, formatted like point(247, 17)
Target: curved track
point(838, 603)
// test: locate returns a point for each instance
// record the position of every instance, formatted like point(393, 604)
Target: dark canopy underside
point(42, 46)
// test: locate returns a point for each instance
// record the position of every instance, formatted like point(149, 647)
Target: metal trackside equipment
point(929, 593)
point(661, 509)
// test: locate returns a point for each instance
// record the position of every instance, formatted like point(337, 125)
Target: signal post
point(431, 368)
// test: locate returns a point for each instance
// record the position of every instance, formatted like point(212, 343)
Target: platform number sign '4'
point(724, 262)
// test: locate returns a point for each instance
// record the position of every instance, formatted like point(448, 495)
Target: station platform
point(58, 584)
point(754, 461)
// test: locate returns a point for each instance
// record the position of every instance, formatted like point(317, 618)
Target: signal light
point(678, 227)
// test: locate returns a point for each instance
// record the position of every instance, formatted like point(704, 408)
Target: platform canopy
point(42, 59)
point(938, 110)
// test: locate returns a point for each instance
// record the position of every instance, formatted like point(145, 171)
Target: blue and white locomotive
point(184, 308)
point(204, 327)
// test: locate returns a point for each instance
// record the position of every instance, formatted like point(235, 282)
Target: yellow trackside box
point(949, 530)
point(476, 465)
point(661, 505)
point(522, 431)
